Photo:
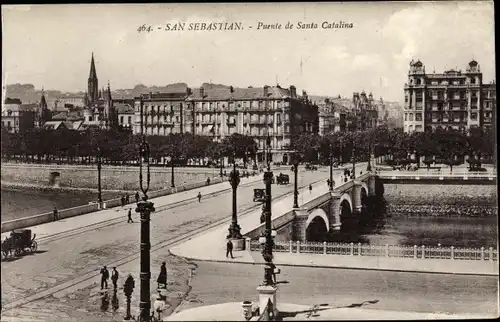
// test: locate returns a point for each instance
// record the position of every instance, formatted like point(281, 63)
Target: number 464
point(144, 28)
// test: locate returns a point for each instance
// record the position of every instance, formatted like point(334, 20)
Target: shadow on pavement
point(313, 311)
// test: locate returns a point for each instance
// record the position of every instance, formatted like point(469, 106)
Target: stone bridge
point(327, 213)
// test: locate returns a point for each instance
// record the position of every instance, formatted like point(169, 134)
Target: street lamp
point(267, 250)
point(145, 208)
point(99, 161)
point(295, 183)
point(234, 179)
point(353, 160)
point(331, 168)
point(173, 178)
point(369, 166)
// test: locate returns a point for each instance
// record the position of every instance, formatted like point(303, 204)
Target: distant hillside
point(28, 94)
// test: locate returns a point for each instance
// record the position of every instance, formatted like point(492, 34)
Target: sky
point(50, 45)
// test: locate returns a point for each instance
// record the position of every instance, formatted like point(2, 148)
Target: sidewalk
point(233, 312)
point(211, 246)
point(94, 218)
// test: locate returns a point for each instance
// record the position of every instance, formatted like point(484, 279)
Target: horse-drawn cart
point(19, 243)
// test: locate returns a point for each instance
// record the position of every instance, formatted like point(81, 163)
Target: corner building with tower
point(451, 100)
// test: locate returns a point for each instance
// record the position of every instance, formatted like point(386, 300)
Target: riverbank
point(112, 177)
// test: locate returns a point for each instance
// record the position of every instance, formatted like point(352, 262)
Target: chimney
point(293, 92)
point(202, 92)
point(266, 90)
point(231, 89)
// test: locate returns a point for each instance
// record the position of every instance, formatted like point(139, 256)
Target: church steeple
point(93, 82)
point(43, 112)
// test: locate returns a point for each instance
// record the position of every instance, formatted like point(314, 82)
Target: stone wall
point(112, 178)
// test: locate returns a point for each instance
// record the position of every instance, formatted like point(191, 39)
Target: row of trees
point(119, 147)
point(43, 145)
point(440, 144)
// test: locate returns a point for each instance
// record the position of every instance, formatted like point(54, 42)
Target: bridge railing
point(358, 249)
point(446, 174)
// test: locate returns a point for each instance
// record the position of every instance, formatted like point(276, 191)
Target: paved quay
point(232, 311)
point(106, 215)
point(211, 246)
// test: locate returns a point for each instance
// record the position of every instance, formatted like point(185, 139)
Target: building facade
point(18, 117)
point(365, 110)
point(218, 111)
point(332, 117)
point(451, 100)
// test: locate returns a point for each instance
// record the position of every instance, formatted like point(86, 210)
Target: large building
point(219, 111)
point(18, 117)
point(451, 100)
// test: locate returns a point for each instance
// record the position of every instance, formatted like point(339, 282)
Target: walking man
point(229, 248)
point(310, 188)
point(137, 196)
point(130, 216)
point(56, 215)
point(208, 181)
point(199, 196)
point(162, 278)
point(127, 198)
point(104, 277)
point(123, 200)
point(114, 277)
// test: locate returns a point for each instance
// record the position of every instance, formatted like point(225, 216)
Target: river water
point(18, 203)
point(380, 227)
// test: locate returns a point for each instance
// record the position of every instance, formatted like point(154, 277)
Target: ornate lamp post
point(267, 239)
point(341, 150)
point(145, 208)
point(234, 179)
point(353, 160)
point(99, 161)
point(369, 166)
point(295, 183)
point(173, 178)
point(331, 168)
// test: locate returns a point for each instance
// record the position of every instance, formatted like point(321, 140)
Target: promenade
point(211, 246)
point(102, 217)
point(292, 312)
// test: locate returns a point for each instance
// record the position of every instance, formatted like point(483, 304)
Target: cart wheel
point(34, 246)
point(18, 252)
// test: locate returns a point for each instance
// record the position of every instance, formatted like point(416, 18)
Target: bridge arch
point(347, 198)
point(317, 225)
point(363, 197)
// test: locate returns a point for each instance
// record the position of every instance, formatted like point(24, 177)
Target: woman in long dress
point(162, 278)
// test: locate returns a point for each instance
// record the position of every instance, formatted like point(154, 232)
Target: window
point(406, 116)
point(473, 81)
point(91, 118)
point(9, 113)
point(121, 119)
point(411, 116)
point(406, 98)
point(473, 116)
point(130, 120)
point(418, 117)
point(418, 97)
point(177, 118)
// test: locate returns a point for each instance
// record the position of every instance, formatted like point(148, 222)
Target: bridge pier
point(334, 211)
point(300, 227)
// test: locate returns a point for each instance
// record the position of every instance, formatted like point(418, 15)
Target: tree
point(239, 146)
point(307, 145)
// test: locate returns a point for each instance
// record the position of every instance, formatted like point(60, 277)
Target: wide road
point(399, 291)
point(62, 260)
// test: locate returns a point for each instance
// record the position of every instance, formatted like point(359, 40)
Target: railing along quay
point(358, 249)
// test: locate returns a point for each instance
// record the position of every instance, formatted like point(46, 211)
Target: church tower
point(43, 114)
point(93, 82)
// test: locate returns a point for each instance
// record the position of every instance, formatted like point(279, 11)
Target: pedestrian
point(136, 196)
point(130, 216)
point(208, 181)
point(114, 277)
point(104, 277)
point(123, 200)
point(127, 199)
point(310, 188)
point(162, 278)
point(199, 196)
point(333, 183)
point(56, 215)
point(328, 183)
point(229, 248)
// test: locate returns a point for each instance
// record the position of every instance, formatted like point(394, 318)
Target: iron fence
point(358, 249)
